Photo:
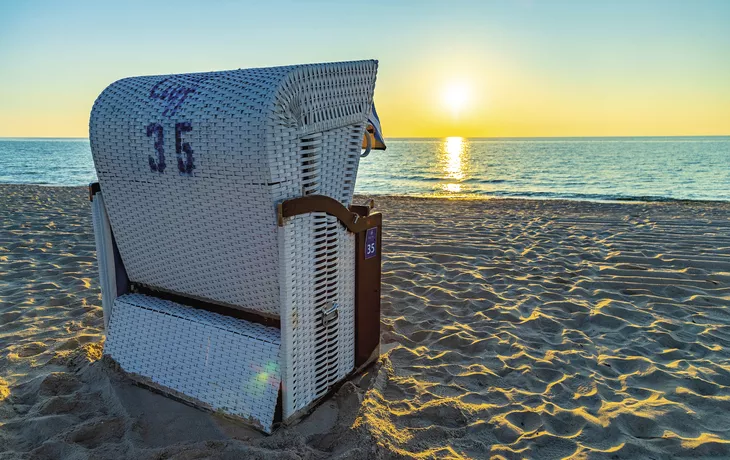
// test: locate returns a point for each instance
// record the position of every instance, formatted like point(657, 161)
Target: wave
point(475, 180)
point(596, 197)
point(592, 196)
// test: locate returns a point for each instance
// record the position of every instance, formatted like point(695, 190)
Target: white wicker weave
point(212, 360)
point(315, 355)
point(192, 167)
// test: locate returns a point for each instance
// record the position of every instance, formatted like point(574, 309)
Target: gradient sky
point(525, 68)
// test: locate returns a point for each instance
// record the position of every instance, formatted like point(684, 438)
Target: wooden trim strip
point(354, 222)
point(203, 304)
point(367, 294)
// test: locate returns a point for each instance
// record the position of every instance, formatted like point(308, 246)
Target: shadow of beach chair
point(235, 273)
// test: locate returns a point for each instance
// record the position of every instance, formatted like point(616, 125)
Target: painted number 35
point(185, 159)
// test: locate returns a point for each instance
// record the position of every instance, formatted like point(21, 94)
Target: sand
point(511, 328)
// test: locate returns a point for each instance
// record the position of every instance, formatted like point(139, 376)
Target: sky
point(516, 68)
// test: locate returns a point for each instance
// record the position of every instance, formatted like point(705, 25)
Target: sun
point(456, 96)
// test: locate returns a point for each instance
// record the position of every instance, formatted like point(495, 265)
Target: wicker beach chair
point(235, 272)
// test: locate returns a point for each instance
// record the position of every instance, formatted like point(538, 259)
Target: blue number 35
point(186, 163)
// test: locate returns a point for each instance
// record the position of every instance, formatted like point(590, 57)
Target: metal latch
point(330, 312)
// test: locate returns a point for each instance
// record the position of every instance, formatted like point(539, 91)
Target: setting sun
point(456, 97)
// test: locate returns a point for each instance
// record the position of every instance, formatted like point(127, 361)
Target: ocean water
point(46, 161)
point(603, 169)
point(659, 168)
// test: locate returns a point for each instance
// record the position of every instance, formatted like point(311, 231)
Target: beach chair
point(236, 274)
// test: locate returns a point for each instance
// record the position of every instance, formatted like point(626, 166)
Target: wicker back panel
point(192, 167)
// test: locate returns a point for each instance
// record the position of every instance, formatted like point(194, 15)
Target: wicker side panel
point(211, 360)
point(326, 333)
point(298, 318)
point(319, 101)
point(346, 296)
point(340, 152)
point(318, 274)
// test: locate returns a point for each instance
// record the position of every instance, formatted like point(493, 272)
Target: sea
point(594, 169)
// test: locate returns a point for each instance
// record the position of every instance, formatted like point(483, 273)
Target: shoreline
point(638, 200)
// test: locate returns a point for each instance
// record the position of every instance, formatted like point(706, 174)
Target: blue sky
point(530, 67)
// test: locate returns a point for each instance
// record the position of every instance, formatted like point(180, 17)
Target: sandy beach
point(511, 329)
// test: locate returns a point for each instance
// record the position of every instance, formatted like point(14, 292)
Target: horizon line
point(447, 137)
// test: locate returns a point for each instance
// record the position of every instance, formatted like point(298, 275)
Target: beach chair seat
point(236, 274)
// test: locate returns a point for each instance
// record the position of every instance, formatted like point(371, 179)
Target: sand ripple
point(554, 329)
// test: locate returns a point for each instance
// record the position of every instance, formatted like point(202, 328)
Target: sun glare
point(456, 96)
point(453, 163)
point(454, 150)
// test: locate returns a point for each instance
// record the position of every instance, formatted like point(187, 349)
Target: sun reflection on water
point(453, 160)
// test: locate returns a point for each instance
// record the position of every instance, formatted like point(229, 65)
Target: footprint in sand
point(31, 349)
point(526, 421)
point(76, 342)
point(10, 316)
point(97, 432)
point(59, 383)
